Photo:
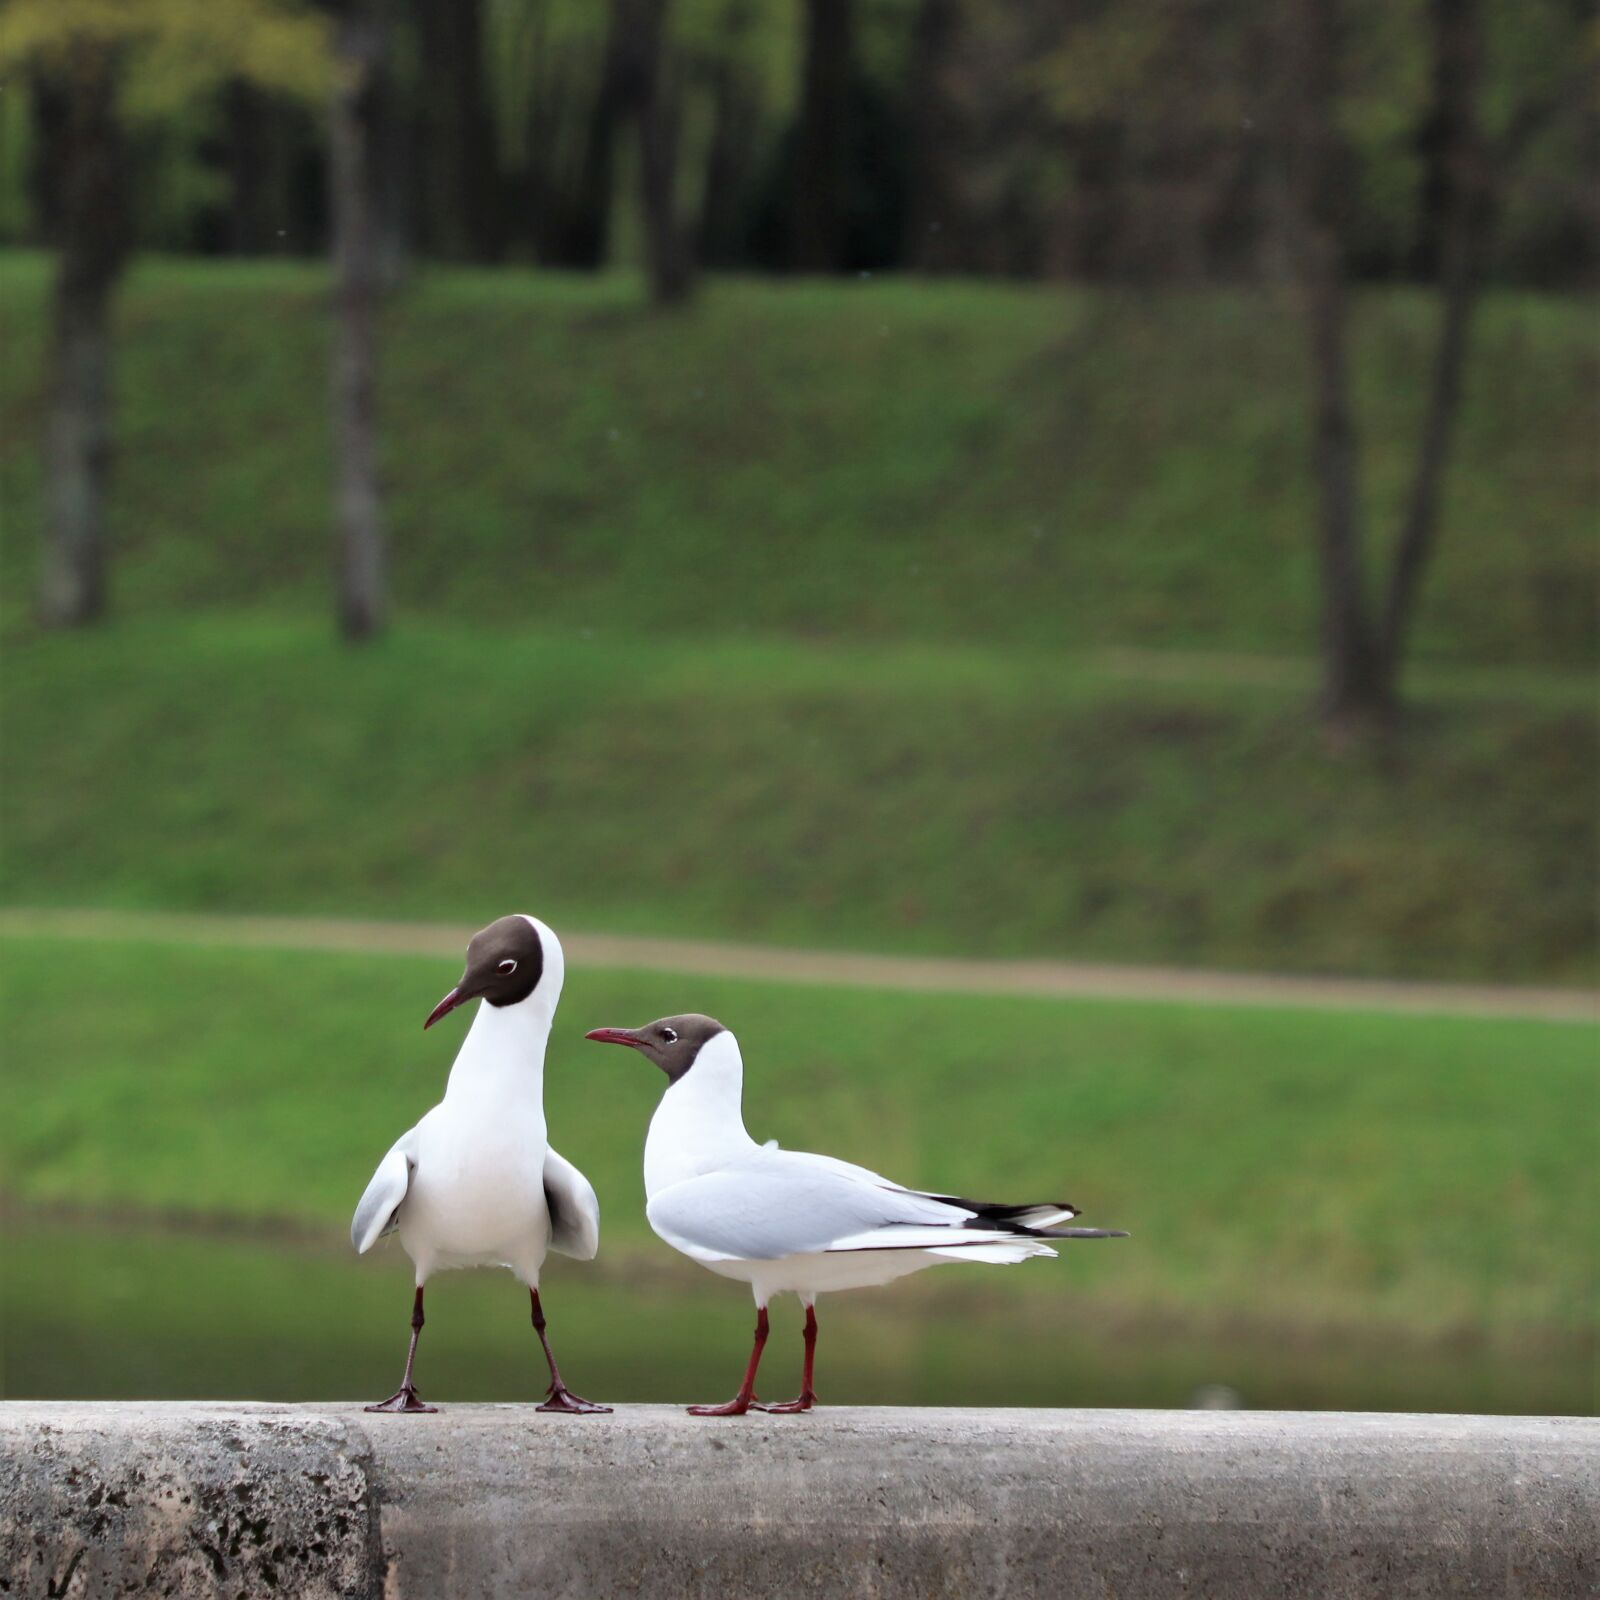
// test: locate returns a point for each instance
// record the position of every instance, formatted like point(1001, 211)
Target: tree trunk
point(88, 169)
point(822, 167)
point(1355, 688)
point(666, 241)
point(361, 596)
point(1463, 207)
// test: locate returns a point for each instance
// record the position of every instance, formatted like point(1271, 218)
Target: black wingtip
point(1005, 1217)
point(1082, 1233)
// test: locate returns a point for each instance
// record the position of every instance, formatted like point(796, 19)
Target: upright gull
point(785, 1220)
point(475, 1183)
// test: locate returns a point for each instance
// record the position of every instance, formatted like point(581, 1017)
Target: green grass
point(1308, 1169)
point(935, 462)
point(909, 797)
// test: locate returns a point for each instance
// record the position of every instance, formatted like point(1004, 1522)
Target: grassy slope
point(1402, 1172)
point(683, 529)
point(924, 461)
point(909, 798)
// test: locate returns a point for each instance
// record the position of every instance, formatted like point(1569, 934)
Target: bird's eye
point(669, 1035)
point(507, 966)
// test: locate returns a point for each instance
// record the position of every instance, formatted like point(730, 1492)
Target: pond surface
point(105, 1312)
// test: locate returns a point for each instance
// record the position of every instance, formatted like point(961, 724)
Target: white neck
point(699, 1125)
point(502, 1057)
point(501, 1060)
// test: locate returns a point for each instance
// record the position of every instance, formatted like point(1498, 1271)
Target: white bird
point(475, 1183)
point(787, 1221)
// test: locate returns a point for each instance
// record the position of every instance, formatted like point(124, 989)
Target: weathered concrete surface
point(236, 1500)
point(110, 1500)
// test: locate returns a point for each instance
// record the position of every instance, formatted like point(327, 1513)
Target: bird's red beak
point(444, 1007)
point(615, 1036)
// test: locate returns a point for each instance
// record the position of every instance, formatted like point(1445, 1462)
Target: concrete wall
point(231, 1500)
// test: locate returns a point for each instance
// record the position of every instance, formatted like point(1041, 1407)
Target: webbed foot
point(406, 1399)
point(563, 1399)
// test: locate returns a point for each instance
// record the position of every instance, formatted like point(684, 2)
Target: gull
point(788, 1221)
point(475, 1183)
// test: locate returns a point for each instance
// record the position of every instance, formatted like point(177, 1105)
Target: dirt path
point(1044, 979)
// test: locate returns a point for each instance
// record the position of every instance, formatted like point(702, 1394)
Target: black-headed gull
point(787, 1221)
point(475, 1184)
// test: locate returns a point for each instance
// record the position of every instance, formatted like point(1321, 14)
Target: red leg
point(560, 1397)
point(405, 1397)
point(746, 1396)
point(808, 1395)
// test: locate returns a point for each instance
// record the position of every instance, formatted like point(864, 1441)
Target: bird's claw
point(735, 1407)
point(404, 1399)
point(787, 1408)
point(564, 1400)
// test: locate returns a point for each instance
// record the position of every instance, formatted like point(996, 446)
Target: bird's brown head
point(672, 1043)
point(505, 962)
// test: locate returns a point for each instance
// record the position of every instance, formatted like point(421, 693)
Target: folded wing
point(574, 1210)
point(1043, 1218)
point(375, 1211)
point(783, 1203)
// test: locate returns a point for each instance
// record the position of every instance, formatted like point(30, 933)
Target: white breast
point(477, 1196)
point(477, 1191)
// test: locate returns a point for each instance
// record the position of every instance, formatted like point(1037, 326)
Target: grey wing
point(782, 1205)
point(375, 1211)
point(574, 1210)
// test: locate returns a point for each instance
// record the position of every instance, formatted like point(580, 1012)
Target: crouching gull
point(475, 1184)
point(785, 1220)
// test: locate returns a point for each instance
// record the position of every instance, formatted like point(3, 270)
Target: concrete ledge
point(227, 1499)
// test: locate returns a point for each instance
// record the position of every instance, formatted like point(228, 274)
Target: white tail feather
point(962, 1242)
point(1045, 1216)
point(1004, 1255)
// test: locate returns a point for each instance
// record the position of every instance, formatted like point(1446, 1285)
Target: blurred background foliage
point(1107, 482)
point(1123, 138)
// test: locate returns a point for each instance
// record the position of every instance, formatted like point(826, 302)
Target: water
point(108, 1312)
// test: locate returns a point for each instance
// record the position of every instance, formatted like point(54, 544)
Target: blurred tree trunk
point(1363, 653)
point(1355, 690)
point(1355, 686)
point(87, 168)
point(657, 110)
point(666, 241)
point(460, 158)
point(361, 591)
point(821, 169)
point(1463, 217)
